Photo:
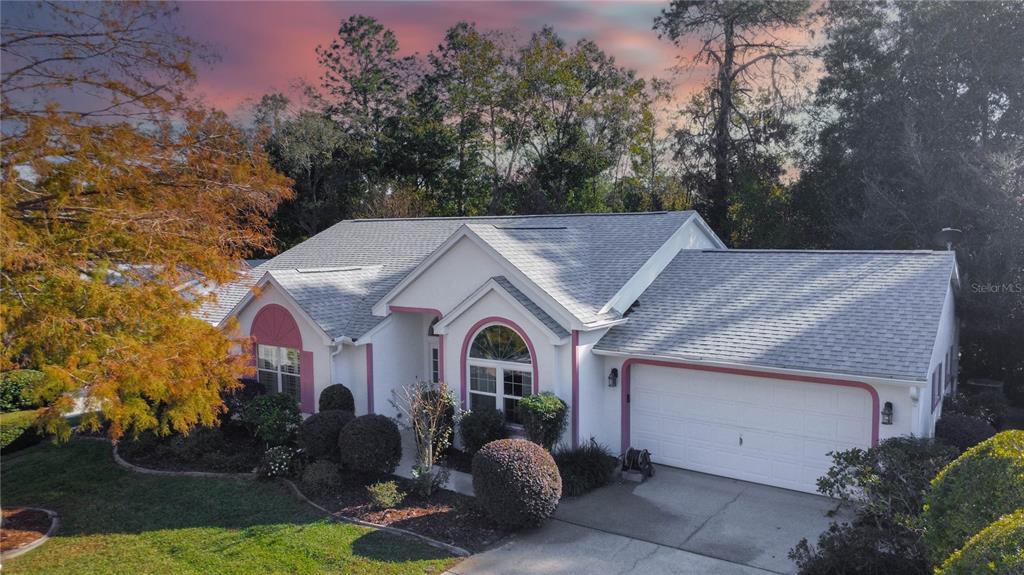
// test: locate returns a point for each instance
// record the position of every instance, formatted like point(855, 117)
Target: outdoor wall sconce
point(887, 413)
point(613, 377)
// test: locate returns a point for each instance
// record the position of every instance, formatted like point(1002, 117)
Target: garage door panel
point(787, 428)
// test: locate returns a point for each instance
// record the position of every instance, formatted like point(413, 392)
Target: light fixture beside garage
point(613, 377)
point(887, 413)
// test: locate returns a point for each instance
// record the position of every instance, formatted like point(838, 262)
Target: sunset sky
point(265, 46)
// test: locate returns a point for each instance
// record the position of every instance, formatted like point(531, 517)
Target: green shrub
point(370, 444)
point(997, 550)
point(480, 427)
point(989, 405)
point(278, 461)
point(237, 399)
point(17, 430)
point(319, 433)
point(516, 482)
point(584, 468)
point(385, 495)
point(16, 389)
point(886, 483)
point(321, 477)
point(274, 417)
point(544, 418)
point(963, 431)
point(337, 397)
point(983, 484)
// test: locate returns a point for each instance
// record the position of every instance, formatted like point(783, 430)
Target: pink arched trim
point(369, 378)
point(575, 388)
point(626, 372)
point(464, 356)
point(440, 339)
point(274, 325)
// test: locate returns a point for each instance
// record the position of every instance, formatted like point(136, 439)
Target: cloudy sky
point(265, 46)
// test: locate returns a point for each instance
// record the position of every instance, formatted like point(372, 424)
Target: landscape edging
point(54, 525)
point(454, 550)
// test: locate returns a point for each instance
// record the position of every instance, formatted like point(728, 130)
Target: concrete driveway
point(678, 522)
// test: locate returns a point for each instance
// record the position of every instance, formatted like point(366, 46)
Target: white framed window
point(500, 371)
point(277, 369)
point(433, 353)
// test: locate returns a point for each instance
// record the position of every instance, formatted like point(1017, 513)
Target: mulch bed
point(19, 527)
point(446, 516)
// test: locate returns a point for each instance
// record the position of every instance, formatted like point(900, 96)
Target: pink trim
point(575, 388)
point(369, 378)
point(274, 325)
point(407, 309)
point(626, 372)
point(464, 356)
point(307, 403)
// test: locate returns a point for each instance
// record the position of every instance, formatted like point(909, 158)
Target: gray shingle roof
point(541, 315)
point(224, 297)
point(335, 298)
point(859, 313)
point(582, 259)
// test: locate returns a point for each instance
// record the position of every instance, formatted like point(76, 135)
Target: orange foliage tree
point(117, 191)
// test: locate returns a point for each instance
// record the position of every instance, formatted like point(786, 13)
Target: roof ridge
point(515, 216)
point(828, 252)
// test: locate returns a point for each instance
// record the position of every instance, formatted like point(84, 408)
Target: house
point(751, 364)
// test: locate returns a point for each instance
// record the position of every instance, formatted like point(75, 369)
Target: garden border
point(54, 526)
point(453, 549)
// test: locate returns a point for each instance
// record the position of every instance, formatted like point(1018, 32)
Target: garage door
point(768, 431)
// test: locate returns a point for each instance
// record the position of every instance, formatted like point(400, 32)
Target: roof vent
point(948, 237)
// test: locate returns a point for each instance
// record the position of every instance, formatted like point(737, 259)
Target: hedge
point(983, 484)
point(17, 430)
point(997, 550)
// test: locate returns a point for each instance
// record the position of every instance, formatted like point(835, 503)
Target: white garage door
point(767, 431)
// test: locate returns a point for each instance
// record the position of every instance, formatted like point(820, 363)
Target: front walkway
point(458, 481)
point(679, 522)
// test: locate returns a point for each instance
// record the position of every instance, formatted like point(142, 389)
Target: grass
point(116, 521)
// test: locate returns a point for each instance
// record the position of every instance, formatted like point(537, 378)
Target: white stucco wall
point(594, 393)
point(945, 338)
point(397, 358)
point(313, 339)
point(450, 279)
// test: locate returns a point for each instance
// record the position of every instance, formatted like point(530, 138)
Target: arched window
point(500, 371)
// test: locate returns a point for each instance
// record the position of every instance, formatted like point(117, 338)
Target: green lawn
point(116, 521)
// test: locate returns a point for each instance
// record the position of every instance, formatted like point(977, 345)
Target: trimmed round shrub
point(544, 418)
point(997, 549)
point(274, 417)
point(319, 433)
point(321, 477)
point(983, 484)
point(370, 444)
point(337, 397)
point(16, 388)
point(963, 431)
point(480, 427)
point(584, 468)
point(516, 482)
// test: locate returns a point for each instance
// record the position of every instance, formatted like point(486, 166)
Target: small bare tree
point(428, 410)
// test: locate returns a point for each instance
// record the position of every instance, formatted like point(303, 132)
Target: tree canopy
point(114, 198)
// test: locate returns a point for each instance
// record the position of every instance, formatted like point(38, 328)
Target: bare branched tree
point(429, 412)
point(745, 43)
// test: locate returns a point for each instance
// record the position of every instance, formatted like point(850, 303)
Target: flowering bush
point(278, 461)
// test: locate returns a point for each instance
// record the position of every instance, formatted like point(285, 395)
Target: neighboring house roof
point(860, 313)
point(580, 259)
